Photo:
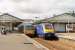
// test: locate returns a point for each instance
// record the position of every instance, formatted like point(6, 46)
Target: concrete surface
point(16, 42)
point(70, 36)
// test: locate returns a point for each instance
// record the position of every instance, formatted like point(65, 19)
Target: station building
point(63, 22)
point(9, 22)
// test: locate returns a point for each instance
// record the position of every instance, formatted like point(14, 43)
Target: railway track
point(61, 44)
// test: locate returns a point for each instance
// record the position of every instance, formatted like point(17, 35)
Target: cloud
point(18, 1)
point(35, 6)
point(27, 8)
point(42, 6)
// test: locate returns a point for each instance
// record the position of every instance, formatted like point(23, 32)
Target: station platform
point(18, 42)
point(70, 36)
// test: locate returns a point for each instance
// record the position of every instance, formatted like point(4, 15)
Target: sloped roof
point(28, 19)
point(62, 18)
point(9, 18)
point(65, 18)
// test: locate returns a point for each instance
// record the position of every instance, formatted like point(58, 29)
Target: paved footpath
point(16, 42)
point(70, 36)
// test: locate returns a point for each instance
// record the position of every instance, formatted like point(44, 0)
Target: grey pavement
point(70, 36)
point(16, 42)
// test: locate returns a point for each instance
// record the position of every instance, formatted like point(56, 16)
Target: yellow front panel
point(49, 30)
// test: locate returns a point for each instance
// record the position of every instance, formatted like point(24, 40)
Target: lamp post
point(68, 26)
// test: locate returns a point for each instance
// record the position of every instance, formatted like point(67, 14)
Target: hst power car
point(42, 29)
point(46, 31)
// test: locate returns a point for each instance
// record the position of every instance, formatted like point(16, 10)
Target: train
point(43, 30)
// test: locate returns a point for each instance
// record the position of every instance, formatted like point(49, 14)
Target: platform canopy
point(9, 18)
point(9, 22)
point(63, 18)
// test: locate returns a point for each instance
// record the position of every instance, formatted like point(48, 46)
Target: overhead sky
point(30, 9)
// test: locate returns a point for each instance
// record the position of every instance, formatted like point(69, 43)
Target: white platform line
point(37, 44)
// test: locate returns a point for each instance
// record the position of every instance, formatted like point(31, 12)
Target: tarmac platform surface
point(70, 36)
point(16, 42)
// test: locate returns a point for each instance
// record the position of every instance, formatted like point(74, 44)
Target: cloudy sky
point(29, 9)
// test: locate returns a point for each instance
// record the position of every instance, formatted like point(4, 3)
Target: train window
point(29, 27)
point(48, 26)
